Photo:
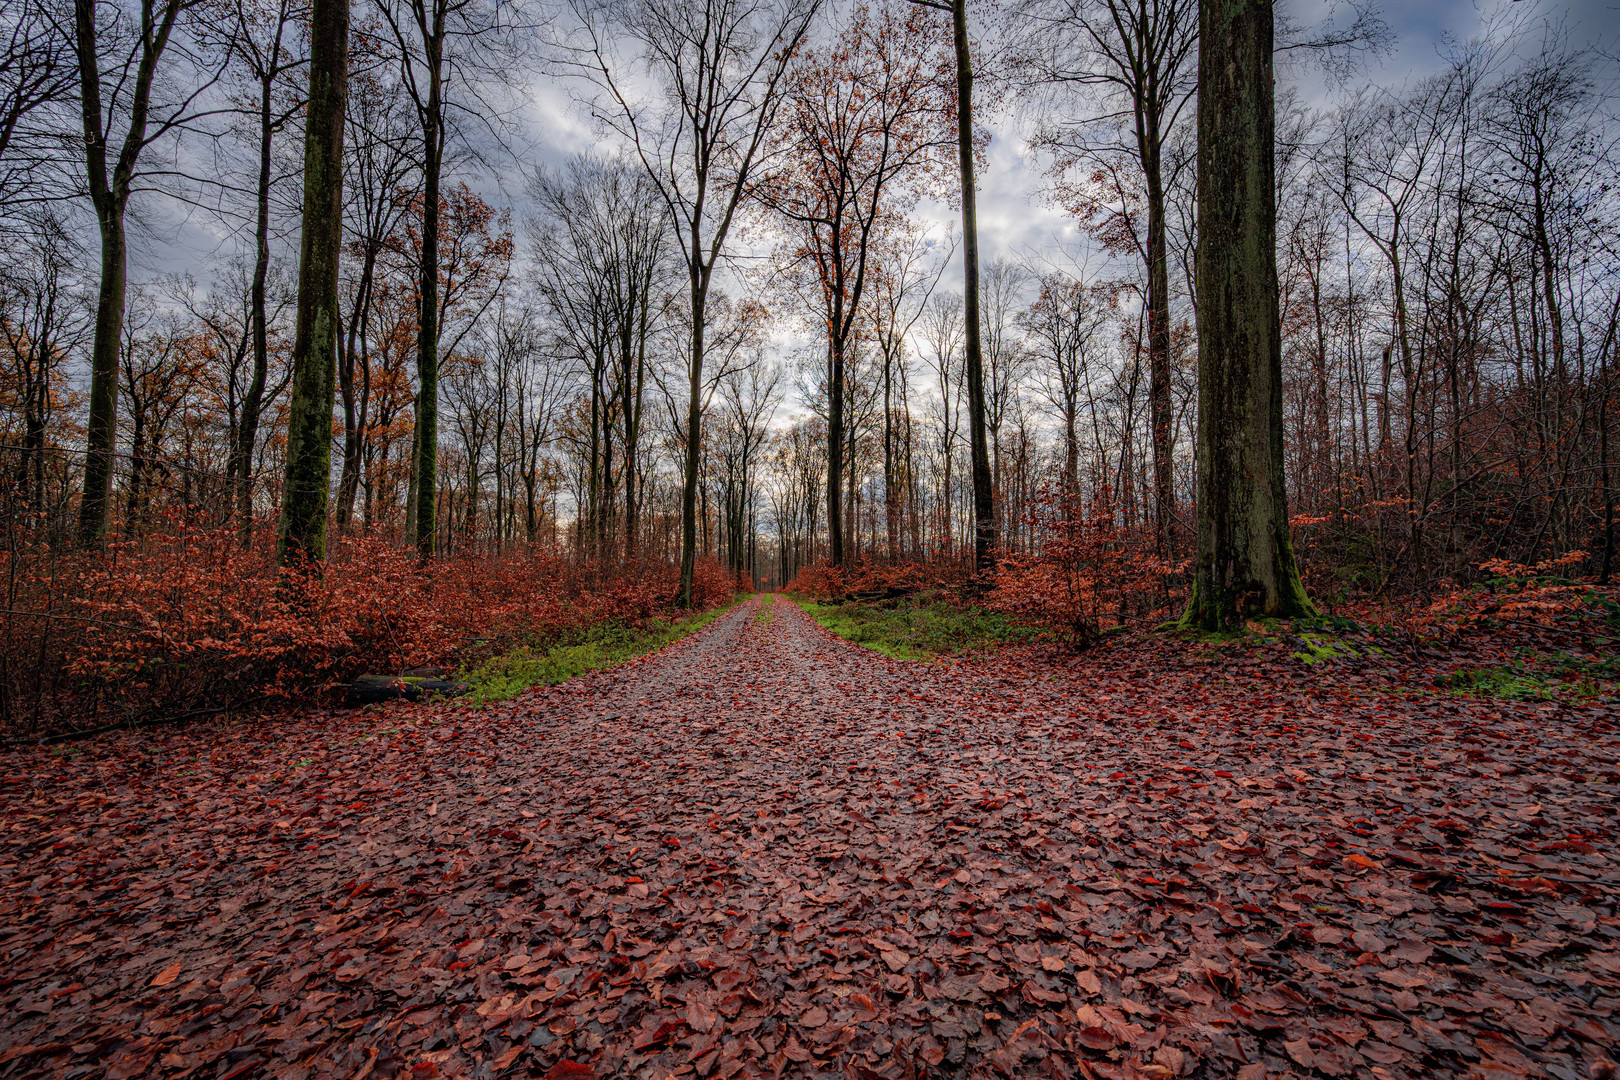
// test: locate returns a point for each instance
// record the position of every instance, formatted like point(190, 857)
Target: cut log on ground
point(371, 689)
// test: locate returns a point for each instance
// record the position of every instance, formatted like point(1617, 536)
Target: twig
point(122, 725)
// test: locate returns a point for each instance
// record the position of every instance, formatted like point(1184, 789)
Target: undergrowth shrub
point(1089, 574)
point(1517, 593)
point(869, 579)
point(188, 621)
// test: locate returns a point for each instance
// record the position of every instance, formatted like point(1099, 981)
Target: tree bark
point(891, 502)
point(984, 511)
point(835, 453)
point(636, 377)
point(427, 338)
point(694, 431)
point(305, 490)
point(356, 393)
point(1245, 562)
point(102, 423)
point(1159, 348)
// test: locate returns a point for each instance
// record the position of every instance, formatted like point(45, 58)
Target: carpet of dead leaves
point(769, 852)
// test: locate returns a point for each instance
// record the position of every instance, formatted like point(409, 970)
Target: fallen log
point(372, 689)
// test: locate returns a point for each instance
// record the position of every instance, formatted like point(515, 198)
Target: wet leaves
point(768, 852)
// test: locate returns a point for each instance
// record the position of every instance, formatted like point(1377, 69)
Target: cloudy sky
point(1015, 219)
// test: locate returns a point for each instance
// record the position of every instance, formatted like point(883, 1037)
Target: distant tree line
point(739, 329)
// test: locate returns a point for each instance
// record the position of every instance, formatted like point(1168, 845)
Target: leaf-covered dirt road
point(766, 851)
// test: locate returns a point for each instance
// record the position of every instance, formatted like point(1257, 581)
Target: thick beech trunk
point(305, 490)
point(1245, 563)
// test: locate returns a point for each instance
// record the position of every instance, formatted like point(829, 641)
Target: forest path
point(765, 850)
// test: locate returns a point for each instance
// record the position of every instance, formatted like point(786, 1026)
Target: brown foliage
point(188, 621)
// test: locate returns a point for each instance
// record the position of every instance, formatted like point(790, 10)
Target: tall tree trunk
point(637, 378)
point(891, 504)
point(1071, 449)
point(314, 356)
point(605, 513)
point(984, 511)
point(1159, 349)
point(101, 426)
point(39, 355)
point(592, 536)
point(247, 430)
point(694, 432)
point(138, 467)
point(1606, 561)
point(356, 393)
point(427, 338)
point(1245, 562)
point(835, 452)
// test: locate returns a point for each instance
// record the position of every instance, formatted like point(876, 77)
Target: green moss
point(916, 630)
point(1198, 636)
point(1319, 648)
point(604, 645)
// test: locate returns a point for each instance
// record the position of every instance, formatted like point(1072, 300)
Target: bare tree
point(379, 191)
point(1003, 288)
point(902, 284)
point(1063, 326)
point(867, 116)
point(43, 321)
point(118, 52)
point(703, 136)
point(748, 401)
point(943, 330)
point(604, 265)
point(264, 43)
point(449, 52)
point(37, 75)
point(1135, 60)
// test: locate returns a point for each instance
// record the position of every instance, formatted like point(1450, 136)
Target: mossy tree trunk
point(305, 490)
point(1245, 563)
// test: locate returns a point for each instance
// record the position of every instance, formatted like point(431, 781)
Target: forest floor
point(765, 851)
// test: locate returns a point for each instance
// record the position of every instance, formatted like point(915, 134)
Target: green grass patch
point(604, 645)
point(767, 610)
point(1506, 682)
point(916, 630)
point(1557, 678)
